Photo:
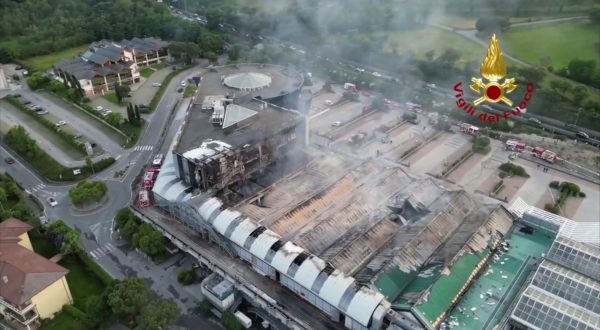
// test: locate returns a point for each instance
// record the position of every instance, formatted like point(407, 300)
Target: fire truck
point(357, 138)
point(149, 178)
point(157, 161)
point(413, 107)
point(547, 155)
point(469, 129)
point(350, 87)
point(514, 145)
point(144, 198)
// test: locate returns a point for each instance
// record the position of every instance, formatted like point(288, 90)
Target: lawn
point(146, 72)
point(64, 321)
point(44, 62)
point(420, 41)
point(553, 44)
point(42, 246)
point(112, 97)
point(190, 90)
point(82, 281)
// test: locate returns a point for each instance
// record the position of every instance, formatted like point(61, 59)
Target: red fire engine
point(149, 178)
point(514, 145)
point(144, 198)
point(469, 129)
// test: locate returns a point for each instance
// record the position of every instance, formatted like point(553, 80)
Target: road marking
point(38, 187)
point(143, 148)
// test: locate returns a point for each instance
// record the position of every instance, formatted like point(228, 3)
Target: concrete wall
point(53, 298)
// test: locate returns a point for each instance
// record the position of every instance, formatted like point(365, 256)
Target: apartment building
point(32, 288)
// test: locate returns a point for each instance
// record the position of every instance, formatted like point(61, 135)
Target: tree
point(2, 198)
point(130, 114)
point(87, 191)
point(230, 322)
point(187, 277)
point(185, 51)
point(158, 314)
point(580, 93)
point(448, 59)
point(123, 216)
point(130, 228)
point(121, 91)
point(115, 119)
point(582, 71)
point(561, 86)
point(350, 96)
point(97, 308)
point(595, 16)
point(532, 74)
point(205, 306)
point(64, 237)
point(149, 240)
point(37, 81)
point(486, 24)
point(378, 103)
point(137, 114)
point(126, 298)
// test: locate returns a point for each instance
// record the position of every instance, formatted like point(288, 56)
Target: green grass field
point(190, 90)
point(421, 41)
point(112, 97)
point(146, 72)
point(44, 62)
point(560, 43)
point(82, 281)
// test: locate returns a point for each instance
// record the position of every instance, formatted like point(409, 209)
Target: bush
point(94, 267)
point(205, 306)
point(187, 277)
point(78, 314)
point(481, 145)
point(86, 192)
point(552, 208)
point(569, 188)
point(230, 322)
point(554, 184)
point(513, 169)
point(581, 194)
point(67, 137)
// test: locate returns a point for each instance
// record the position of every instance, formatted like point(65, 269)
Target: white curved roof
point(247, 80)
point(262, 243)
point(168, 185)
point(224, 219)
point(363, 305)
point(208, 207)
point(335, 286)
point(242, 231)
point(308, 271)
point(285, 255)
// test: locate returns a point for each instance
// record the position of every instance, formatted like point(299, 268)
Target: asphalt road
point(97, 236)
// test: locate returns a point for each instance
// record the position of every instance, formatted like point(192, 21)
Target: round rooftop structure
point(247, 81)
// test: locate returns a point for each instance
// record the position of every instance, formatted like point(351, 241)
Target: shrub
point(186, 277)
point(230, 322)
point(552, 208)
point(205, 306)
point(513, 169)
point(554, 184)
point(87, 191)
point(581, 194)
point(481, 145)
point(569, 188)
point(78, 314)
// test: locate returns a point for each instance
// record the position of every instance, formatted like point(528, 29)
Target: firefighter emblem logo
point(493, 69)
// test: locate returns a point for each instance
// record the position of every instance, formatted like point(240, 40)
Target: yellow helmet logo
point(493, 69)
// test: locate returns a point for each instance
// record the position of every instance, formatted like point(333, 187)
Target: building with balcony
point(106, 64)
point(32, 288)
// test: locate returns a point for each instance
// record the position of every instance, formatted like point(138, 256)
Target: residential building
point(32, 288)
point(106, 64)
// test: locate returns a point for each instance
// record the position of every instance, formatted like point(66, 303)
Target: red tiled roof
point(23, 273)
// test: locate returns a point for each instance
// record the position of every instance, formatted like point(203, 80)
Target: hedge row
point(514, 169)
point(95, 268)
point(79, 315)
point(66, 136)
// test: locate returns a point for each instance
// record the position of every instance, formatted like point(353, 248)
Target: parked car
point(41, 112)
point(180, 89)
point(336, 124)
point(51, 201)
point(535, 120)
point(376, 74)
point(183, 83)
point(60, 123)
point(99, 108)
point(156, 84)
point(26, 102)
point(106, 112)
point(328, 102)
point(9, 160)
point(582, 135)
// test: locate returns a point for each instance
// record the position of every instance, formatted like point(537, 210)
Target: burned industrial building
point(361, 240)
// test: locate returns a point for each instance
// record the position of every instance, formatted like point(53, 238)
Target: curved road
point(97, 236)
